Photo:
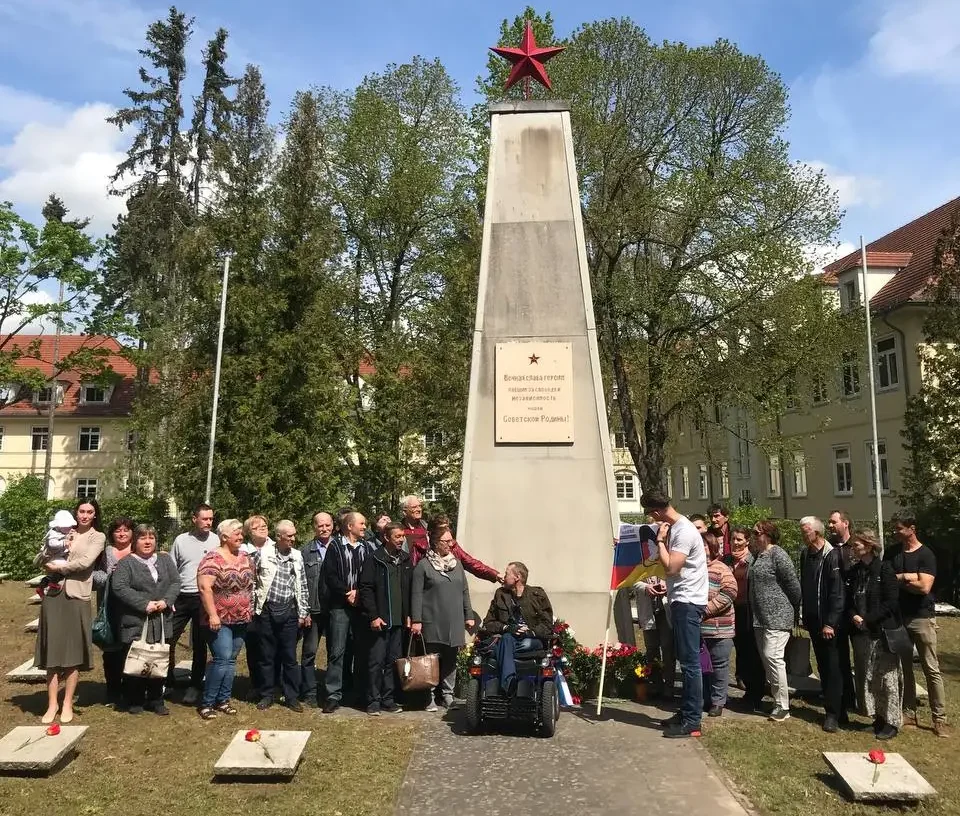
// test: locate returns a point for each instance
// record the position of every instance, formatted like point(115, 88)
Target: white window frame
point(884, 468)
point(668, 481)
point(106, 389)
point(743, 450)
point(430, 492)
point(820, 394)
point(432, 439)
point(684, 482)
point(850, 374)
point(849, 301)
point(773, 476)
point(89, 483)
point(883, 358)
point(94, 439)
point(724, 480)
point(798, 487)
point(626, 484)
point(838, 489)
point(619, 440)
point(703, 483)
point(39, 398)
point(43, 432)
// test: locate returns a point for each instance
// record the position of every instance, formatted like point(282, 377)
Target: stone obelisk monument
point(537, 481)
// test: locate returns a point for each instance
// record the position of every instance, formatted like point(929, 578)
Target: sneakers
point(830, 724)
point(715, 711)
point(432, 706)
point(676, 719)
point(680, 731)
point(393, 708)
point(373, 710)
point(940, 729)
point(888, 732)
point(779, 714)
point(330, 706)
point(191, 696)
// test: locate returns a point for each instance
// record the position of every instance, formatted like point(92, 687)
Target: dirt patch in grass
point(779, 766)
point(149, 765)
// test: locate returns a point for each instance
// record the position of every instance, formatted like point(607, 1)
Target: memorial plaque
point(534, 393)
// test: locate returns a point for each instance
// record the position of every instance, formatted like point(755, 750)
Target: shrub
point(24, 514)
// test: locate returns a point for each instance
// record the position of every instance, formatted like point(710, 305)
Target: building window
point(626, 487)
point(743, 450)
point(668, 481)
point(433, 439)
point(799, 485)
point(842, 471)
point(131, 440)
point(851, 375)
point(850, 299)
point(42, 396)
point(773, 476)
point(39, 437)
point(87, 488)
point(704, 482)
point(94, 394)
point(884, 472)
point(888, 371)
point(819, 389)
point(684, 482)
point(724, 481)
point(620, 440)
point(90, 438)
point(431, 492)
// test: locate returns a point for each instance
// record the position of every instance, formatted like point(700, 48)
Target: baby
point(56, 547)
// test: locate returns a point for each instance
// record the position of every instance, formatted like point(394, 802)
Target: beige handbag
point(418, 672)
point(149, 660)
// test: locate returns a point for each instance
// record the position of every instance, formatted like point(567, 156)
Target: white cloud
point(42, 326)
point(821, 255)
point(918, 38)
point(119, 24)
point(851, 190)
point(72, 157)
point(19, 107)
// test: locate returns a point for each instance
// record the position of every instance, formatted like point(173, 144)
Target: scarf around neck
point(151, 563)
point(440, 563)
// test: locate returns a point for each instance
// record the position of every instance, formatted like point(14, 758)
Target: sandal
point(207, 714)
point(226, 708)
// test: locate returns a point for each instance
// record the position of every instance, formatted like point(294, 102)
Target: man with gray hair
point(822, 602)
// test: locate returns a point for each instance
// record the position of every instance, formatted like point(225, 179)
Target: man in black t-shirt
point(916, 568)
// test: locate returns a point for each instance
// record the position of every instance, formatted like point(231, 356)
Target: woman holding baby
point(64, 646)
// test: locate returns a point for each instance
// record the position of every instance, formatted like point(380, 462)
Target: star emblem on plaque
point(534, 393)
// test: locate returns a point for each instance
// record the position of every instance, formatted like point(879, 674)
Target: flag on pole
point(635, 556)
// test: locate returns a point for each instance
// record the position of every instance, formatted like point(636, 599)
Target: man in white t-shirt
point(684, 561)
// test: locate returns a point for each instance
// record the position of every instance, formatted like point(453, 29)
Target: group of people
point(372, 594)
point(731, 588)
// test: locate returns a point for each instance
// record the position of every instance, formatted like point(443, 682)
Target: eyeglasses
point(446, 541)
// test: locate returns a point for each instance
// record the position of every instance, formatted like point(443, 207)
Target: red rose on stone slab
point(53, 729)
point(252, 735)
point(877, 756)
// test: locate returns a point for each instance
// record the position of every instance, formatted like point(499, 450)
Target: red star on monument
point(528, 61)
point(534, 360)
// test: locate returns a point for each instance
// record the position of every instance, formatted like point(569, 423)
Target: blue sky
point(874, 83)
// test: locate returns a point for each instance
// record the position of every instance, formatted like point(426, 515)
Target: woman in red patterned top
point(226, 579)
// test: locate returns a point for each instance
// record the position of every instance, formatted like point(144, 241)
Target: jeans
point(308, 655)
point(828, 665)
point(686, 618)
point(749, 664)
point(658, 644)
point(720, 650)
point(279, 630)
point(506, 650)
point(923, 633)
point(448, 671)
point(386, 647)
point(225, 645)
point(343, 628)
point(772, 643)
point(187, 610)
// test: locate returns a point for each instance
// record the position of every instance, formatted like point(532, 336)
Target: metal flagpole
point(603, 654)
point(216, 376)
point(873, 394)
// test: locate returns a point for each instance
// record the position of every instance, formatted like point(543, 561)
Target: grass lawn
point(149, 765)
point(780, 769)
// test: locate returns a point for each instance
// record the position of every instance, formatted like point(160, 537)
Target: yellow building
point(90, 442)
point(829, 464)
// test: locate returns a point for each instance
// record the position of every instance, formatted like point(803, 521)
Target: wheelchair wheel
point(472, 700)
point(549, 704)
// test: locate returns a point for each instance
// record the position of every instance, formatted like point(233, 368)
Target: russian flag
point(635, 556)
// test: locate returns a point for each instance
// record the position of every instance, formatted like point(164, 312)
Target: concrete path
point(619, 764)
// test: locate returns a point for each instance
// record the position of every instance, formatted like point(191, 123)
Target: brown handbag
point(418, 672)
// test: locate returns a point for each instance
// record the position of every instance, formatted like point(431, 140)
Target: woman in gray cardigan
point(774, 600)
point(440, 609)
point(143, 588)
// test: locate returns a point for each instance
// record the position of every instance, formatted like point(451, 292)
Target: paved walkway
point(619, 764)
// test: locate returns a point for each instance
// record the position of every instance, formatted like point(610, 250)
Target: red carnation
point(252, 735)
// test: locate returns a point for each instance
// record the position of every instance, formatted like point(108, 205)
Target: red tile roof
point(121, 399)
point(910, 249)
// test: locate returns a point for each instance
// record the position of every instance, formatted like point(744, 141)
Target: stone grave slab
point(897, 781)
point(34, 599)
point(35, 581)
point(26, 673)
point(278, 753)
point(33, 626)
point(28, 749)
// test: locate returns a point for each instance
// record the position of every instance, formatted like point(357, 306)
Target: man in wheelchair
point(513, 675)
